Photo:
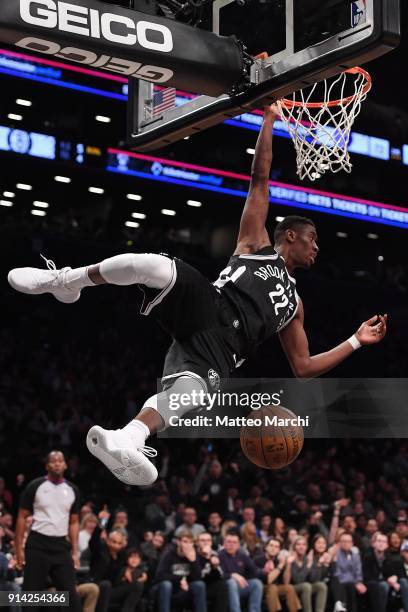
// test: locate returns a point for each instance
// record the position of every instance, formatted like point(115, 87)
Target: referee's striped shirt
point(51, 504)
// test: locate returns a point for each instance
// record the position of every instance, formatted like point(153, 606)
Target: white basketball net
point(320, 131)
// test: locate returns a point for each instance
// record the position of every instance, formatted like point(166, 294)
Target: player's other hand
point(373, 330)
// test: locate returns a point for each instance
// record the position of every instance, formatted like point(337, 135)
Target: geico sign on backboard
point(91, 22)
point(155, 74)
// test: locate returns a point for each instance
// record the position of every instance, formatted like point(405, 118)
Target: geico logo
point(156, 74)
point(91, 22)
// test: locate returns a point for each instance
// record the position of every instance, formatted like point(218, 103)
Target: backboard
point(301, 42)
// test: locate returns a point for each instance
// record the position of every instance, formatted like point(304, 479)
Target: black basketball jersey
point(262, 293)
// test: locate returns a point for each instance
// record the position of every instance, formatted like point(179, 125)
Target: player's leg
point(149, 269)
point(124, 452)
point(197, 349)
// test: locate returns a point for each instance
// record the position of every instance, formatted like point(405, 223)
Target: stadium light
point(24, 187)
point(137, 215)
point(97, 190)
point(6, 203)
point(132, 224)
point(279, 219)
point(134, 196)
point(103, 119)
point(38, 213)
point(380, 258)
point(168, 212)
point(15, 117)
point(341, 235)
point(62, 179)
point(372, 236)
point(9, 194)
point(40, 204)
point(194, 203)
point(250, 151)
point(22, 102)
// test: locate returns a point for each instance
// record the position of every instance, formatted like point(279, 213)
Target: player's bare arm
point(253, 235)
point(296, 346)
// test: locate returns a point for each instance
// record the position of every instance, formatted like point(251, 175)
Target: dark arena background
point(72, 188)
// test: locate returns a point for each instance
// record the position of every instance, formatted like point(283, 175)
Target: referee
point(51, 549)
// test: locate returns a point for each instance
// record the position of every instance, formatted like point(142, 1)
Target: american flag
point(164, 100)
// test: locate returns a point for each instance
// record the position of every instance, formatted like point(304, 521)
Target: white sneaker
point(36, 281)
point(130, 465)
point(339, 607)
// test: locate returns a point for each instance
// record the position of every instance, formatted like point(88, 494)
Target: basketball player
point(214, 326)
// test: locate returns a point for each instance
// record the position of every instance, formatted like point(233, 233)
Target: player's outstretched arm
point(296, 346)
point(252, 232)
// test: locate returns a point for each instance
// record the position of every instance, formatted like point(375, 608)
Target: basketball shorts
point(206, 331)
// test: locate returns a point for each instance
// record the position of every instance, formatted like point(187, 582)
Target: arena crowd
point(329, 532)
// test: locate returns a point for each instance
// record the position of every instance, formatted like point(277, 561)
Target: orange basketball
point(269, 445)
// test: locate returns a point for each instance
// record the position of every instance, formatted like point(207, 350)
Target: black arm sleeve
point(95, 543)
point(28, 495)
point(75, 508)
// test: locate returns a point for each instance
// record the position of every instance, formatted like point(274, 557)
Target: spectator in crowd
point(279, 528)
point(272, 562)
point(190, 523)
point(89, 594)
point(6, 523)
point(266, 528)
point(213, 491)
point(384, 524)
point(377, 570)
point(212, 574)
point(134, 573)
point(87, 527)
point(248, 515)
point(2, 547)
point(291, 536)
point(257, 501)
point(347, 582)
point(404, 555)
point(178, 577)
point(251, 544)
point(214, 528)
point(394, 545)
point(152, 549)
point(242, 575)
point(232, 497)
point(6, 497)
point(298, 572)
point(300, 511)
point(315, 525)
point(7, 576)
point(359, 499)
point(228, 527)
point(85, 509)
point(120, 520)
point(339, 505)
point(107, 562)
point(321, 559)
point(402, 528)
point(370, 530)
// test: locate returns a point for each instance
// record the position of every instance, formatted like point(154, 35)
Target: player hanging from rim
point(253, 298)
